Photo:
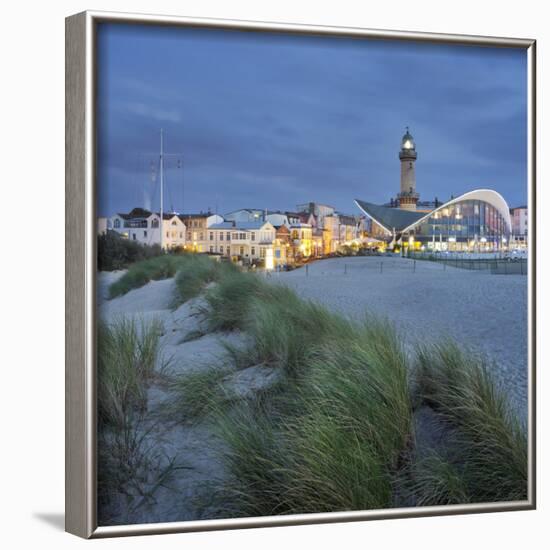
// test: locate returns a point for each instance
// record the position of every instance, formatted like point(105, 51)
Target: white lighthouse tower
point(407, 197)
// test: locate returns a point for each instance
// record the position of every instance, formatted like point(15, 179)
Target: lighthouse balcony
point(407, 154)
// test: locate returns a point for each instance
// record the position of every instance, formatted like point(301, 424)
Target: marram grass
point(195, 272)
point(337, 433)
point(152, 269)
point(490, 441)
point(130, 467)
point(337, 445)
point(127, 354)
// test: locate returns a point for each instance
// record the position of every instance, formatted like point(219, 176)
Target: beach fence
point(412, 265)
point(352, 268)
point(494, 265)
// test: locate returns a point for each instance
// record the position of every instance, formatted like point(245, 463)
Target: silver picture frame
point(80, 271)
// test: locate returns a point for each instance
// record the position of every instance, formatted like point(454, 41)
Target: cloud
point(275, 120)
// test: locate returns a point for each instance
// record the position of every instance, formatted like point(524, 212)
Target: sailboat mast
point(161, 224)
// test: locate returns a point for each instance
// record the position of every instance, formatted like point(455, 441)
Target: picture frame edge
point(79, 477)
point(80, 264)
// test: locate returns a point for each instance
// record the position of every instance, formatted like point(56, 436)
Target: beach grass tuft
point(337, 444)
point(229, 301)
point(196, 393)
point(283, 327)
point(127, 354)
point(129, 464)
point(490, 441)
point(152, 269)
point(197, 271)
point(436, 480)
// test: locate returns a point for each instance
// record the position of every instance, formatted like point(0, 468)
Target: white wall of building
point(147, 231)
point(252, 243)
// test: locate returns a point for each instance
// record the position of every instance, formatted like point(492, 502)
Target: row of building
point(476, 221)
point(251, 236)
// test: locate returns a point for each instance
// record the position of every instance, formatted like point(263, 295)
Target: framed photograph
point(300, 274)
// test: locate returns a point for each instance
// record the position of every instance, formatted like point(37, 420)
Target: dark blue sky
point(270, 121)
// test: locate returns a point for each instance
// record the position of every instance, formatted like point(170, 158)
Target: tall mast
point(161, 224)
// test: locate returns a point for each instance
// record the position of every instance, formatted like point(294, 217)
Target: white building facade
point(143, 227)
point(248, 242)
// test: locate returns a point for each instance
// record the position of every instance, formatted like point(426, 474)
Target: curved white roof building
point(477, 220)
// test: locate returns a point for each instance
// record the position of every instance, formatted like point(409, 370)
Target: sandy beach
point(427, 302)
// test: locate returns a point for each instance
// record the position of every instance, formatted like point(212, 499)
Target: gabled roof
point(389, 218)
point(302, 216)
